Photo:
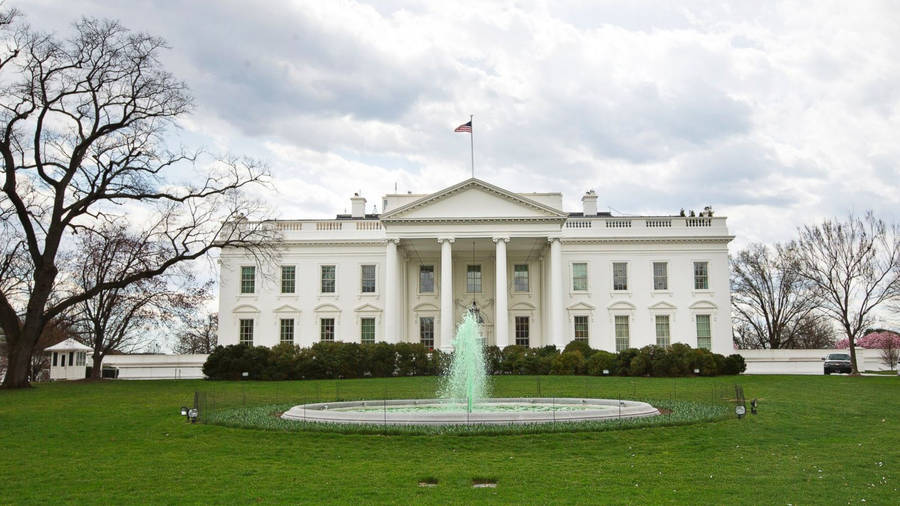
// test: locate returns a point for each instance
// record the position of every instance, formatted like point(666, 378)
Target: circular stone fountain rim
point(327, 412)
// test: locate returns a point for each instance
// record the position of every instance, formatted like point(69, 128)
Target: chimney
point(589, 201)
point(357, 206)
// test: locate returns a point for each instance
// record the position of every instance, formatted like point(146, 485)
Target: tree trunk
point(854, 371)
point(19, 367)
point(97, 369)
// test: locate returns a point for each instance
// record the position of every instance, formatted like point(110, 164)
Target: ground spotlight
point(193, 414)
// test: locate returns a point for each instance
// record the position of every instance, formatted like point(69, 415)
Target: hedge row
point(353, 360)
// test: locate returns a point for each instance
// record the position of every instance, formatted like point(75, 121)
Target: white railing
point(368, 225)
point(290, 225)
point(698, 222)
point(618, 224)
point(578, 224)
point(657, 223)
point(328, 225)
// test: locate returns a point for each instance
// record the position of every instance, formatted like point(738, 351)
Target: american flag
point(465, 127)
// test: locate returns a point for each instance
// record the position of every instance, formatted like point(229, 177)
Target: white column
point(445, 340)
point(557, 323)
point(390, 292)
point(501, 317)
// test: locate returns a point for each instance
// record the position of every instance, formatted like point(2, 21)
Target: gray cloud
point(775, 110)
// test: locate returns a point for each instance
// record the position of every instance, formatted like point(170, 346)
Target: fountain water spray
point(467, 377)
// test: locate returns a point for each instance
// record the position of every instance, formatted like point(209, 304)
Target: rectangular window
point(704, 336)
point(520, 277)
point(55, 359)
point(63, 364)
point(426, 331)
point(286, 330)
point(426, 279)
point(368, 278)
point(80, 358)
point(522, 331)
point(620, 276)
point(662, 330)
point(579, 277)
point(248, 279)
point(327, 279)
point(660, 276)
point(245, 332)
point(581, 328)
point(621, 333)
point(701, 275)
point(288, 278)
point(326, 330)
point(473, 279)
point(367, 330)
point(71, 358)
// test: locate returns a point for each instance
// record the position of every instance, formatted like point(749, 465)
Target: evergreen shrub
point(337, 360)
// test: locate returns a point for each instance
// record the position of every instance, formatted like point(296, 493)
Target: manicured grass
point(817, 439)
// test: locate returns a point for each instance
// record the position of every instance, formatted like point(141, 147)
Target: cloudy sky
point(775, 113)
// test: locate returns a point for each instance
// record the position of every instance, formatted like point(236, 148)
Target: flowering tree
point(886, 341)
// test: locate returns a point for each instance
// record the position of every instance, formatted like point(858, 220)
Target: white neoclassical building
point(538, 275)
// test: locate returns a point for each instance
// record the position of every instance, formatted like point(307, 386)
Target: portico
point(504, 277)
point(475, 233)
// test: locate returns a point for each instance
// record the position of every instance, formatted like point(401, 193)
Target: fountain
point(467, 378)
point(464, 398)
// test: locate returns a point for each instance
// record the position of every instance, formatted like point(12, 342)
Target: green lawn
point(816, 440)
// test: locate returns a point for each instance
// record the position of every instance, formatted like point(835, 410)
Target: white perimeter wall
point(143, 367)
point(804, 361)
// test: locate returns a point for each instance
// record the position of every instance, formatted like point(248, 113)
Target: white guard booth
point(68, 360)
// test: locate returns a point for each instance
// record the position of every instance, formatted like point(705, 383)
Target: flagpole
point(472, 142)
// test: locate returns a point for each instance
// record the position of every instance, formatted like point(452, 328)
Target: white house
point(538, 274)
point(68, 360)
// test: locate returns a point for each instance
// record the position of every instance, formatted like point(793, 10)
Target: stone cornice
point(723, 239)
point(336, 242)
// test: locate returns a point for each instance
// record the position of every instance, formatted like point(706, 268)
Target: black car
point(837, 362)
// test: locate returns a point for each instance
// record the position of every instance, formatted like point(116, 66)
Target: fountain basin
point(498, 411)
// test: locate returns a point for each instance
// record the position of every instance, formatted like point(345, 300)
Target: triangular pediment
point(581, 306)
point(663, 305)
point(473, 199)
point(367, 308)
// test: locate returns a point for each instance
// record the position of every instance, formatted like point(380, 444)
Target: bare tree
point(814, 332)
point(855, 267)
point(123, 318)
point(890, 352)
point(769, 297)
point(200, 335)
point(81, 128)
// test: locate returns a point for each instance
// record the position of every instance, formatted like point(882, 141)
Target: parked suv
point(837, 362)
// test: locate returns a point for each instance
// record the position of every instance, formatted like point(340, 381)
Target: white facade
point(539, 275)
